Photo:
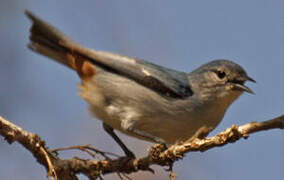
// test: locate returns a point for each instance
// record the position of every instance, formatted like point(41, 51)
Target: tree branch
point(158, 154)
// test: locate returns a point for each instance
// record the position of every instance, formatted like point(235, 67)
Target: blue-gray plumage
point(143, 99)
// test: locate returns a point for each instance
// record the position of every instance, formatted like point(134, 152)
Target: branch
point(158, 154)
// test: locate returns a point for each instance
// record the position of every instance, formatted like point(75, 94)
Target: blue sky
point(41, 96)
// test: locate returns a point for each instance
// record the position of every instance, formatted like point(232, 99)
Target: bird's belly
point(169, 129)
point(172, 130)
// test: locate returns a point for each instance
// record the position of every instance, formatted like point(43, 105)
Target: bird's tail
point(47, 40)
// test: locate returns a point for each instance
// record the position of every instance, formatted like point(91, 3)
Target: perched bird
point(142, 99)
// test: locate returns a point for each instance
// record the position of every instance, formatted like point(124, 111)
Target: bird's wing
point(165, 81)
point(47, 40)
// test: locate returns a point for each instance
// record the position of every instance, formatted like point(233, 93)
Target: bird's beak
point(250, 79)
point(241, 87)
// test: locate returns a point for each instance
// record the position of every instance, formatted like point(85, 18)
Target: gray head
point(221, 78)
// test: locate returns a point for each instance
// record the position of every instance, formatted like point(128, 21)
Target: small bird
point(142, 99)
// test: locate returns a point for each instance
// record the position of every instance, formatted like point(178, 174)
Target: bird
point(139, 98)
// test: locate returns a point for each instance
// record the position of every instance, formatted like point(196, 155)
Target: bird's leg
point(147, 136)
point(111, 132)
point(129, 126)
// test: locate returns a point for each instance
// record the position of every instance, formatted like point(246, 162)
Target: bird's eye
point(221, 74)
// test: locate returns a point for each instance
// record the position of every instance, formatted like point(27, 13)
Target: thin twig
point(51, 170)
point(87, 148)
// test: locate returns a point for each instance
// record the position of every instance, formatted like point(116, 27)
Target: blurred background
point(41, 96)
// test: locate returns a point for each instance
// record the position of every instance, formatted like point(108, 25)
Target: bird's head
point(221, 79)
